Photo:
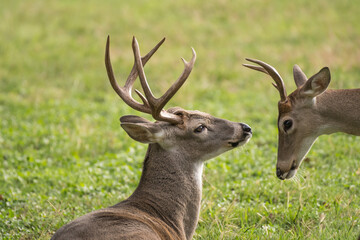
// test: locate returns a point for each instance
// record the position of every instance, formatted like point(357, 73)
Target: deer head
point(299, 120)
point(192, 132)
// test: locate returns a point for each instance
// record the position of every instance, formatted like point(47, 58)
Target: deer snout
point(282, 175)
point(246, 129)
point(241, 135)
point(284, 171)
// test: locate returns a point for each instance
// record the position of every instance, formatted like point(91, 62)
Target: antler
point(125, 92)
point(266, 68)
point(151, 105)
point(157, 104)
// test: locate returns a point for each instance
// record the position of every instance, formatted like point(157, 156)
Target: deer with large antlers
point(308, 112)
point(166, 203)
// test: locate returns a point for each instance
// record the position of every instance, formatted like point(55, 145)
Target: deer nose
point(279, 174)
point(246, 128)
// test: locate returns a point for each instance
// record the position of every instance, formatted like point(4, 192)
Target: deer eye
point(200, 128)
point(287, 124)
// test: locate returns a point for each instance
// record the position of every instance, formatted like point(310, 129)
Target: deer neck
point(340, 111)
point(170, 188)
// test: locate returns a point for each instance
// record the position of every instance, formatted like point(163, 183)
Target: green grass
point(63, 153)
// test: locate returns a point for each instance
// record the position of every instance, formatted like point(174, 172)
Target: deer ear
point(141, 129)
point(299, 76)
point(317, 84)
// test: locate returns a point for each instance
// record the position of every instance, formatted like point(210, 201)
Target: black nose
point(246, 128)
point(279, 173)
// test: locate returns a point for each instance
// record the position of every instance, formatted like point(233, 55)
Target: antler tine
point(266, 68)
point(134, 73)
point(125, 92)
point(188, 66)
point(157, 104)
point(260, 69)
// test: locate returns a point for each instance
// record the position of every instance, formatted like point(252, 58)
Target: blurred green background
point(63, 153)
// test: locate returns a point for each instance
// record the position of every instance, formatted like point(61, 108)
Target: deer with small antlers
point(166, 203)
point(308, 112)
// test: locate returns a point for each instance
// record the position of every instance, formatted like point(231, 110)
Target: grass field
point(63, 153)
